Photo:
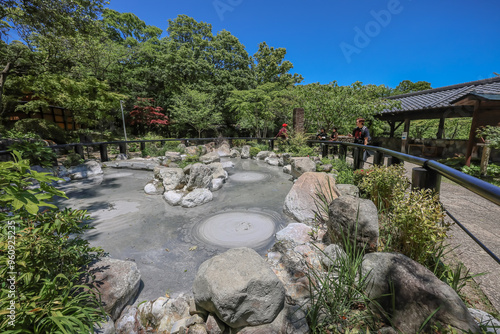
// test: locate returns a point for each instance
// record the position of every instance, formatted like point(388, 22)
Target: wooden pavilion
point(476, 99)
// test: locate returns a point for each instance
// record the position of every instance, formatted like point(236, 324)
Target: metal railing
point(433, 169)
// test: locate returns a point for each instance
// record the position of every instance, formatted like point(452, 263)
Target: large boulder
point(415, 293)
point(85, 170)
point(200, 176)
point(224, 150)
point(355, 218)
point(118, 283)
point(218, 171)
point(239, 287)
point(234, 153)
point(172, 178)
point(245, 152)
point(301, 166)
point(164, 312)
point(173, 156)
point(210, 157)
point(198, 196)
point(348, 189)
point(262, 155)
point(300, 200)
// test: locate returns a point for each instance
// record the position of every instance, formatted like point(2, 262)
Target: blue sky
point(444, 42)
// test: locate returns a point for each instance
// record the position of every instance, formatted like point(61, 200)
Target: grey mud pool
point(169, 243)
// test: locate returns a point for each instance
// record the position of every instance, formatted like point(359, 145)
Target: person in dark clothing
point(361, 135)
point(322, 135)
point(334, 137)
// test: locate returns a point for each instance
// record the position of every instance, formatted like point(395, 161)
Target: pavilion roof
point(444, 97)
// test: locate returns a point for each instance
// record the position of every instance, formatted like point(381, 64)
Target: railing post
point(123, 147)
point(143, 146)
point(79, 150)
point(378, 158)
point(355, 157)
point(393, 161)
point(103, 148)
point(325, 150)
point(55, 163)
point(423, 178)
point(271, 144)
point(342, 152)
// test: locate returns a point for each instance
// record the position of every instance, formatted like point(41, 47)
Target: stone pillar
point(298, 119)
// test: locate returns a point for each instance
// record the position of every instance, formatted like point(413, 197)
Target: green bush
point(296, 144)
point(239, 142)
point(190, 159)
point(48, 255)
point(382, 184)
point(38, 153)
point(415, 226)
point(345, 174)
point(254, 151)
point(45, 129)
point(73, 159)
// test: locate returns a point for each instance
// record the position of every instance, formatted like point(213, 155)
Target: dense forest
point(192, 82)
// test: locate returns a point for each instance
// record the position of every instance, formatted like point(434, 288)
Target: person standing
point(282, 133)
point(334, 137)
point(361, 135)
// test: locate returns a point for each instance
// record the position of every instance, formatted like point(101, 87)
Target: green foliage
point(415, 226)
point(254, 151)
point(38, 153)
point(189, 160)
point(49, 256)
point(73, 159)
point(382, 184)
point(239, 142)
point(15, 134)
point(296, 144)
point(43, 128)
point(491, 135)
point(344, 172)
point(407, 86)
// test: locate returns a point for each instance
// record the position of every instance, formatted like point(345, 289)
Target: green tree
point(197, 110)
point(407, 86)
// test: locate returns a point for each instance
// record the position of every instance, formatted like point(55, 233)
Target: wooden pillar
point(440, 132)
point(404, 142)
point(103, 148)
point(472, 133)
point(393, 128)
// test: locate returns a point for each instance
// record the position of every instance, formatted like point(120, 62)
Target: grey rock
point(355, 218)
point(245, 152)
point(296, 232)
point(173, 156)
point(191, 150)
point(154, 187)
point(121, 156)
point(172, 178)
point(169, 312)
point(262, 155)
point(300, 200)
point(85, 170)
point(417, 294)
point(214, 325)
point(485, 319)
point(210, 157)
point(136, 163)
point(200, 176)
point(287, 169)
point(291, 320)
point(218, 171)
point(181, 147)
point(217, 184)
point(198, 196)
point(239, 288)
point(234, 153)
point(301, 166)
point(105, 327)
point(117, 281)
point(202, 149)
point(286, 158)
point(227, 164)
point(348, 190)
point(326, 168)
point(186, 323)
point(224, 150)
point(128, 322)
point(331, 256)
point(272, 161)
point(174, 197)
point(197, 329)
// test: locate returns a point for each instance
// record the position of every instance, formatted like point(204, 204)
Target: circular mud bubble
point(248, 177)
point(237, 229)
